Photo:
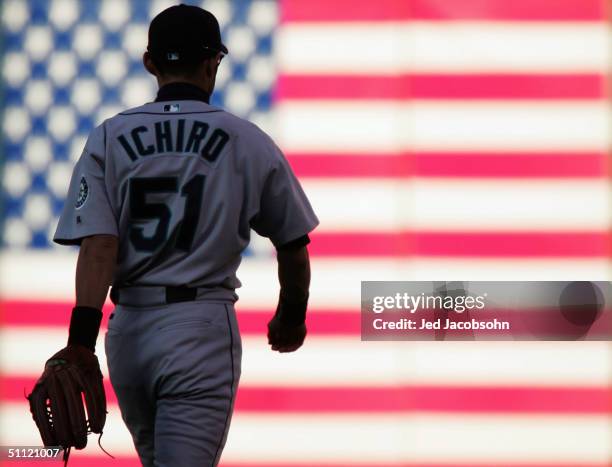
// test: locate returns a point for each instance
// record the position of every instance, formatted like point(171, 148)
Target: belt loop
point(114, 295)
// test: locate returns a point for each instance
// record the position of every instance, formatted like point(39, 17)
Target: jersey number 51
point(141, 210)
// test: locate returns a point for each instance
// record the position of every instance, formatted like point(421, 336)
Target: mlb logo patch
point(172, 107)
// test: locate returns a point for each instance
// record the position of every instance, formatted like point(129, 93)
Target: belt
point(160, 295)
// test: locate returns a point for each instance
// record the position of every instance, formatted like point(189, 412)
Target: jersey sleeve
point(285, 214)
point(87, 209)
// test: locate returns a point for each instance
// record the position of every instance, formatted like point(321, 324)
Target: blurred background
point(437, 140)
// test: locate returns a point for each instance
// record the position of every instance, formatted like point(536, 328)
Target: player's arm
point(284, 215)
point(94, 275)
point(294, 278)
point(88, 219)
point(287, 329)
point(95, 268)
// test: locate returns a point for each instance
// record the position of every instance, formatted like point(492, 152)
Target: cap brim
point(224, 49)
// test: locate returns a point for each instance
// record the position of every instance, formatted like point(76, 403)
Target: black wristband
point(84, 326)
point(291, 311)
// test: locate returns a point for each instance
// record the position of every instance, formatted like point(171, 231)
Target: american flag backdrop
point(437, 140)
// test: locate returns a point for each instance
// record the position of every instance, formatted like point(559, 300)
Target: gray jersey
point(181, 183)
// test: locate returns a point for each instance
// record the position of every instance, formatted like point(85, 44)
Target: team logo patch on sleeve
point(83, 192)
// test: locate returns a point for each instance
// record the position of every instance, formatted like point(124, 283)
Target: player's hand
point(284, 337)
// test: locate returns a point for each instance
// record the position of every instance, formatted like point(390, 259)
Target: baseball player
point(161, 202)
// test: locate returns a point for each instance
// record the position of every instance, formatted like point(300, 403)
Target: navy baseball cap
point(184, 33)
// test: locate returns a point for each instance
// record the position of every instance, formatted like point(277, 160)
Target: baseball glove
point(56, 402)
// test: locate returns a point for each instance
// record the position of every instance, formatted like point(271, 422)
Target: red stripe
point(332, 323)
point(46, 313)
point(446, 86)
point(78, 459)
point(463, 244)
point(395, 10)
point(426, 399)
point(454, 399)
point(321, 323)
point(454, 165)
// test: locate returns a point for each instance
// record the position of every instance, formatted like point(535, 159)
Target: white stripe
point(374, 126)
point(383, 48)
point(459, 204)
point(372, 438)
point(30, 274)
point(336, 282)
point(348, 361)
point(361, 438)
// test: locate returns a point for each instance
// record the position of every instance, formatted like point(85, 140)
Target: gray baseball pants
point(175, 370)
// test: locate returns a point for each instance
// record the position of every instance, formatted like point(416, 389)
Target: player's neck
point(179, 90)
point(202, 86)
